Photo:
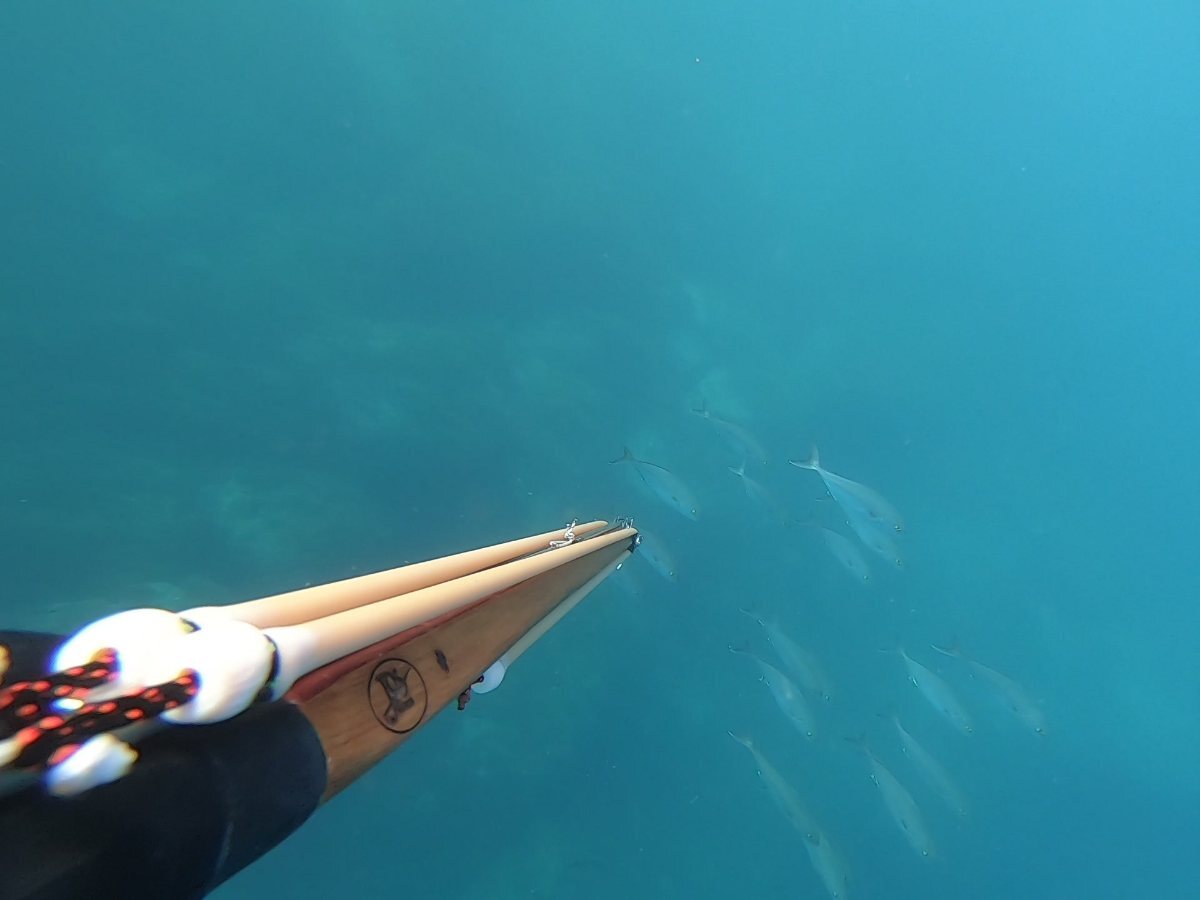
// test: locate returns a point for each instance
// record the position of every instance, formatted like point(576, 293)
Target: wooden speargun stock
point(479, 611)
point(156, 754)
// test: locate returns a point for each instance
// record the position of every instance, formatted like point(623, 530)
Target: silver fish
point(787, 696)
point(795, 658)
point(739, 439)
point(655, 552)
point(1011, 693)
point(931, 770)
point(900, 803)
point(876, 537)
point(786, 800)
point(848, 555)
point(829, 865)
point(664, 484)
point(937, 692)
point(854, 498)
point(825, 860)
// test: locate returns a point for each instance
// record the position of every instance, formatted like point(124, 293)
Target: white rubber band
point(233, 659)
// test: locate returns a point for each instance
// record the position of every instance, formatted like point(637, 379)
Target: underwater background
point(292, 292)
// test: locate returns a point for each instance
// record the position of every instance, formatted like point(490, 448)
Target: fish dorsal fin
point(642, 462)
point(752, 614)
point(628, 457)
point(953, 650)
point(745, 740)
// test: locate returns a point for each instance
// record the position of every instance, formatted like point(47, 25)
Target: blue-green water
point(290, 292)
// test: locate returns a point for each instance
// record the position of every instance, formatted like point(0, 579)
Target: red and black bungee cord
point(45, 737)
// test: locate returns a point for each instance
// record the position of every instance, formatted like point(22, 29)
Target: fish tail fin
point(626, 456)
point(813, 462)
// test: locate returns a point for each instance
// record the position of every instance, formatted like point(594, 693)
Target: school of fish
point(859, 525)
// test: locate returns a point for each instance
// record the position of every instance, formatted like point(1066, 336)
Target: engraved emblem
point(397, 695)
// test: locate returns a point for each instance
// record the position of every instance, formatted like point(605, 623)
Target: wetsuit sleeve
point(201, 803)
